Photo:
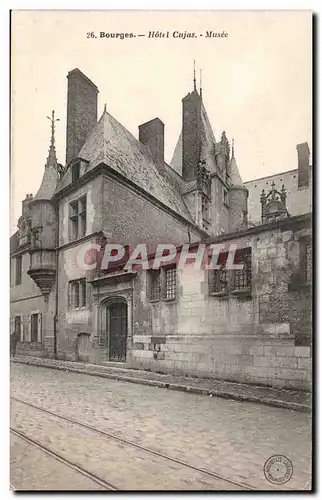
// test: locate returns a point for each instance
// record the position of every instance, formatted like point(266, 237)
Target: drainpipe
point(56, 297)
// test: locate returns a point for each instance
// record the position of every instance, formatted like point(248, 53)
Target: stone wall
point(131, 218)
point(254, 339)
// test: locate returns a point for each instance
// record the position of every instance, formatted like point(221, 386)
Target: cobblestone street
point(214, 444)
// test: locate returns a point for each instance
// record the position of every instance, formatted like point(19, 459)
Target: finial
point(52, 119)
point(105, 108)
point(233, 148)
point(194, 75)
point(52, 152)
point(201, 83)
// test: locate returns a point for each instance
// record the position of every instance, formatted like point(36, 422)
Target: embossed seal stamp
point(278, 469)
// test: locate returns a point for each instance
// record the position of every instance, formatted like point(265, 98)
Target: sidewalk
point(290, 399)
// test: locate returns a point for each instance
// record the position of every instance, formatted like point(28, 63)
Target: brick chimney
point(191, 135)
point(152, 134)
point(81, 112)
point(303, 154)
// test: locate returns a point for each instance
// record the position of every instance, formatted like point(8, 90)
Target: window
point(77, 218)
point(155, 284)
point(242, 278)
point(162, 283)
point(170, 283)
point(17, 325)
point(218, 280)
point(223, 281)
point(35, 327)
point(77, 294)
point(18, 269)
point(75, 171)
point(307, 262)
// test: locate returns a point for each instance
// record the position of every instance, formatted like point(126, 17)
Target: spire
point(201, 83)
point(194, 75)
point(51, 159)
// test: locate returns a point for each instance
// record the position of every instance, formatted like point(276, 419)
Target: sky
point(256, 82)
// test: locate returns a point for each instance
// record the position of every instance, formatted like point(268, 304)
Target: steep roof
point(111, 143)
point(235, 177)
point(208, 141)
point(51, 175)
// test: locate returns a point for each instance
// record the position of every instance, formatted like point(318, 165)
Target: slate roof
point(235, 178)
point(50, 177)
point(111, 143)
point(208, 142)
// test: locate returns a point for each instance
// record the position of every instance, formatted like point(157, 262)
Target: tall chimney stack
point(81, 112)
point(303, 154)
point(191, 135)
point(152, 134)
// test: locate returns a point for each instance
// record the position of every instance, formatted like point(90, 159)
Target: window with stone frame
point(242, 278)
point(170, 282)
point(218, 279)
point(162, 283)
point(306, 261)
point(77, 294)
point(155, 284)
point(17, 325)
point(223, 281)
point(77, 218)
point(18, 270)
point(35, 327)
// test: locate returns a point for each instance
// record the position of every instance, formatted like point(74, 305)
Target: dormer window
point(75, 171)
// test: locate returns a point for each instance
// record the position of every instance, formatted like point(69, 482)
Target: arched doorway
point(115, 312)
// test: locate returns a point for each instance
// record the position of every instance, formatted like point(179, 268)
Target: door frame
point(104, 333)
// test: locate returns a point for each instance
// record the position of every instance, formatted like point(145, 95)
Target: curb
point(177, 387)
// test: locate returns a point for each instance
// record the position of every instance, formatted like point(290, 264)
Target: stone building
point(250, 325)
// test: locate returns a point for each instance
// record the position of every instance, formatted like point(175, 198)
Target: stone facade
point(116, 189)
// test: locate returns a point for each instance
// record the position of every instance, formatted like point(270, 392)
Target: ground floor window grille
point(218, 280)
point(243, 277)
point(223, 281)
point(170, 283)
point(162, 283)
point(308, 263)
point(155, 284)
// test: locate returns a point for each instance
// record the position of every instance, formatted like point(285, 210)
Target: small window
point(223, 281)
point(162, 283)
point(18, 269)
point(77, 218)
point(170, 283)
point(218, 280)
point(155, 284)
point(75, 171)
point(77, 294)
point(243, 277)
point(35, 327)
point(307, 262)
point(18, 325)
